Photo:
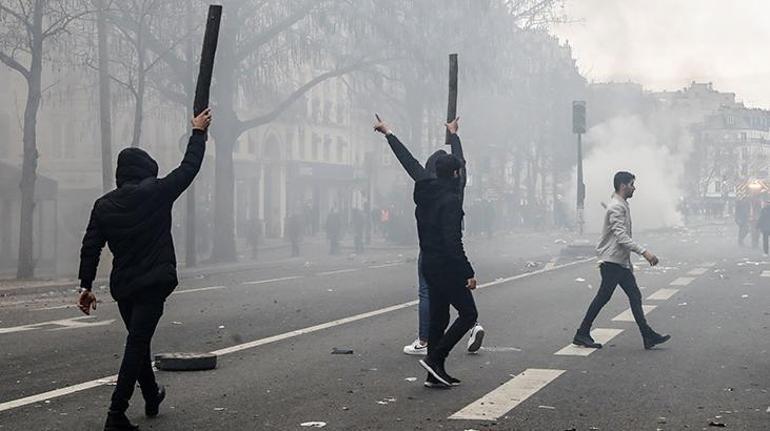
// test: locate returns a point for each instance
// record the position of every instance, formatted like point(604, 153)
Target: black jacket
point(135, 222)
point(763, 223)
point(439, 225)
point(417, 171)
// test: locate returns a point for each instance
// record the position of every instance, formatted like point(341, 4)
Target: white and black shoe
point(416, 348)
point(476, 338)
point(436, 371)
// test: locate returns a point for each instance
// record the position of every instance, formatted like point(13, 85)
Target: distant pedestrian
point(614, 250)
point(742, 208)
point(254, 231)
point(334, 231)
point(134, 220)
point(294, 228)
point(359, 225)
point(763, 224)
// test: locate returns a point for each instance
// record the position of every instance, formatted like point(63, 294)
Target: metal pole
point(580, 185)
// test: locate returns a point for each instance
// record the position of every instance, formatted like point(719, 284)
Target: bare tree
point(26, 30)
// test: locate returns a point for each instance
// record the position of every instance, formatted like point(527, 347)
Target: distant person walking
point(614, 250)
point(763, 224)
point(742, 208)
point(134, 220)
point(334, 231)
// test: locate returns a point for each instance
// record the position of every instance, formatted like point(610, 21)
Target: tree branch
point(13, 64)
point(267, 35)
point(22, 19)
point(298, 93)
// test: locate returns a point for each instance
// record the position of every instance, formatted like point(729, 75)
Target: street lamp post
point(579, 127)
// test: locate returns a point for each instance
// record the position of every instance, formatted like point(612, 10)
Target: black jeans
point(141, 316)
point(612, 275)
point(765, 244)
point(446, 289)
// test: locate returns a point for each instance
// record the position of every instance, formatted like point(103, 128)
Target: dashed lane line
point(273, 280)
point(506, 397)
point(600, 335)
point(765, 274)
point(386, 265)
point(698, 271)
point(338, 271)
point(200, 289)
point(628, 316)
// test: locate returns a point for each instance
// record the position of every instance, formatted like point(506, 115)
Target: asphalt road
point(275, 327)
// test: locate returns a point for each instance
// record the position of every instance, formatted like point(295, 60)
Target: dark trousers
point(612, 275)
point(743, 230)
point(444, 290)
point(765, 236)
point(294, 248)
point(141, 316)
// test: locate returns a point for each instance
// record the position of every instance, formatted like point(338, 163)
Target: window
point(744, 137)
point(327, 148)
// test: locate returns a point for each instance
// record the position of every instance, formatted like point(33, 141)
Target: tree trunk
point(26, 266)
point(141, 77)
point(226, 134)
point(105, 115)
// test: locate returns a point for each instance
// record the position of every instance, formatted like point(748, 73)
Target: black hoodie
point(439, 225)
point(135, 222)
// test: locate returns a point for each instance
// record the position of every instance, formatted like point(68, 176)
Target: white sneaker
point(416, 348)
point(477, 337)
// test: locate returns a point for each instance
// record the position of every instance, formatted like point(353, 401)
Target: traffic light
point(579, 116)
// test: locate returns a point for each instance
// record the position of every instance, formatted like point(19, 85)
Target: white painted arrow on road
point(73, 323)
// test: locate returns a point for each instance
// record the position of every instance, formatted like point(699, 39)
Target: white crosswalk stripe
point(663, 294)
point(628, 316)
point(600, 335)
point(506, 397)
point(682, 281)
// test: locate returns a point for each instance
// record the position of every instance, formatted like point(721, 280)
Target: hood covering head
point(430, 164)
point(135, 165)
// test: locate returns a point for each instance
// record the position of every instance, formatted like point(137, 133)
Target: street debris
point(316, 424)
point(547, 407)
point(411, 379)
point(341, 351)
point(580, 279)
point(717, 424)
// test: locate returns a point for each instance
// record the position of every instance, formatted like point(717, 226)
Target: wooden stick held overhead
point(210, 39)
point(451, 112)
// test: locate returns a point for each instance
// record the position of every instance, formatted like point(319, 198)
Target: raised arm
point(180, 178)
point(457, 151)
point(409, 163)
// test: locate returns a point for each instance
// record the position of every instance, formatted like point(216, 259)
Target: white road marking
point(273, 280)
point(708, 265)
point(70, 323)
point(200, 289)
point(506, 397)
point(765, 273)
point(698, 271)
point(57, 393)
point(387, 265)
point(292, 334)
point(627, 316)
point(600, 335)
point(682, 281)
point(111, 379)
point(663, 294)
point(52, 308)
point(338, 271)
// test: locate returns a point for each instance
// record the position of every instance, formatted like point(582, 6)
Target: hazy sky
point(665, 44)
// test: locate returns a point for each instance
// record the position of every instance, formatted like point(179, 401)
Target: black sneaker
point(432, 383)
point(435, 370)
point(152, 407)
point(117, 421)
point(452, 381)
point(653, 339)
point(585, 340)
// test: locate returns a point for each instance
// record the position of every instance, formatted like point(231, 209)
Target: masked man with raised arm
point(449, 275)
point(134, 220)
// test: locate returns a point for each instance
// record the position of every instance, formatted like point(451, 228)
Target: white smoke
point(656, 153)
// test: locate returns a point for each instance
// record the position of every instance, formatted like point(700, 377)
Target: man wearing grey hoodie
point(614, 251)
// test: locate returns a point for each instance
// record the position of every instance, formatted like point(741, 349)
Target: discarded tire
point(185, 361)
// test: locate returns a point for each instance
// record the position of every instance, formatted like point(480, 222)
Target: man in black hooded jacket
point(449, 275)
point(134, 220)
